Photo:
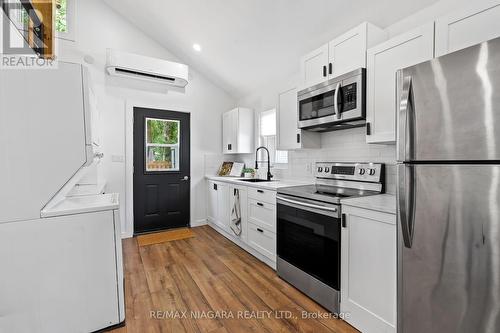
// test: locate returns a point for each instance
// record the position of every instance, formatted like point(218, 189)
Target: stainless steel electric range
point(309, 225)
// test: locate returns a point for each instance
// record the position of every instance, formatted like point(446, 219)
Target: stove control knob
point(372, 172)
point(320, 169)
point(327, 170)
point(361, 171)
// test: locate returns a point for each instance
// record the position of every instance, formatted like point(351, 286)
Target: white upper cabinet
point(467, 27)
point(238, 131)
point(348, 52)
point(383, 62)
point(289, 136)
point(342, 55)
point(313, 67)
point(368, 270)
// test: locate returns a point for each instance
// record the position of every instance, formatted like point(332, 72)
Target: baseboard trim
point(126, 235)
point(198, 223)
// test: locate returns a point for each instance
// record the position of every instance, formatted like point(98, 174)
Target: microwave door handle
point(405, 121)
point(335, 100)
point(406, 198)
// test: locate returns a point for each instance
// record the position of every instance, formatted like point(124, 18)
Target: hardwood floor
point(221, 287)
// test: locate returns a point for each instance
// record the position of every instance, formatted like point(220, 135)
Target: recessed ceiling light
point(197, 47)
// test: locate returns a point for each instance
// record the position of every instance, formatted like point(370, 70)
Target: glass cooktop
point(325, 193)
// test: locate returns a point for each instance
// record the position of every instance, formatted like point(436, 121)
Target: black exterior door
point(161, 169)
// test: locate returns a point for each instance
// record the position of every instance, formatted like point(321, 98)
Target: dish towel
point(236, 214)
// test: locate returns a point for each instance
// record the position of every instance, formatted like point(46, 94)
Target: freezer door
point(449, 107)
point(449, 249)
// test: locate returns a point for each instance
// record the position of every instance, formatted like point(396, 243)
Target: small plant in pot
point(248, 172)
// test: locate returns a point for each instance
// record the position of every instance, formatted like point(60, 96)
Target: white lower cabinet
point(262, 214)
point(262, 240)
point(218, 204)
point(368, 270)
point(258, 217)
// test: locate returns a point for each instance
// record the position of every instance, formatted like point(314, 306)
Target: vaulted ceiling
point(249, 43)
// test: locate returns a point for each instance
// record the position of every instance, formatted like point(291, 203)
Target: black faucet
point(269, 175)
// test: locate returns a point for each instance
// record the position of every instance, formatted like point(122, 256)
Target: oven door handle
point(305, 204)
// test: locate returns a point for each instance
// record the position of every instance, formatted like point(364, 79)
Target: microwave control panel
point(349, 94)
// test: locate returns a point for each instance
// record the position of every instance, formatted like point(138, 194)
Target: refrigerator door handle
point(406, 198)
point(405, 152)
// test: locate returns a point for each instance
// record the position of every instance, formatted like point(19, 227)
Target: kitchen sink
point(256, 180)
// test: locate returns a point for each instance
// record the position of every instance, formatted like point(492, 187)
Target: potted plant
point(248, 172)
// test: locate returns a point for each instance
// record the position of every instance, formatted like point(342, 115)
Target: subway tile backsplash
point(338, 146)
point(342, 146)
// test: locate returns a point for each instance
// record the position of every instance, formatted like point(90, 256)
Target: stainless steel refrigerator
point(449, 193)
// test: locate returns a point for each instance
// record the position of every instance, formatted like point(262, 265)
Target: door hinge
point(344, 221)
point(368, 129)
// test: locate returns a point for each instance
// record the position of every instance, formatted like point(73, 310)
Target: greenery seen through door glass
point(163, 131)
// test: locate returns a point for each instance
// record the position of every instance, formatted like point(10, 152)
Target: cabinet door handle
point(215, 187)
point(344, 221)
point(229, 147)
point(298, 138)
point(260, 204)
point(260, 191)
point(324, 71)
point(368, 129)
point(330, 68)
point(260, 230)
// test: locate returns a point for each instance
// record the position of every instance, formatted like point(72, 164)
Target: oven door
point(308, 237)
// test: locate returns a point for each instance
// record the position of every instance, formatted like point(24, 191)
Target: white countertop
point(272, 185)
point(383, 202)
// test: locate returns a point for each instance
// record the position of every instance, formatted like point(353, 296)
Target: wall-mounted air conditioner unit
point(146, 68)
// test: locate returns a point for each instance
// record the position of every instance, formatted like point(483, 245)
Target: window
point(61, 16)
point(268, 137)
point(65, 19)
point(162, 145)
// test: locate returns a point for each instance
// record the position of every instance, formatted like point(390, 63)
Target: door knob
point(185, 178)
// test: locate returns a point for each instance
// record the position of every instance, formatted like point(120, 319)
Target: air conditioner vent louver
point(153, 76)
point(134, 66)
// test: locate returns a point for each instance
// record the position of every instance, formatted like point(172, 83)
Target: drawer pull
point(260, 204)
point(260, 191)
point(260, 230)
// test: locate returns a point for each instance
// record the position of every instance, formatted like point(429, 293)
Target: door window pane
point(162, 144)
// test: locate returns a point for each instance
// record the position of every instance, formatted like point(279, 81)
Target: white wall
point(98, 28)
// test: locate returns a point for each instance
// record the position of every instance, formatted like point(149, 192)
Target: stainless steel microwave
point(338, 103)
